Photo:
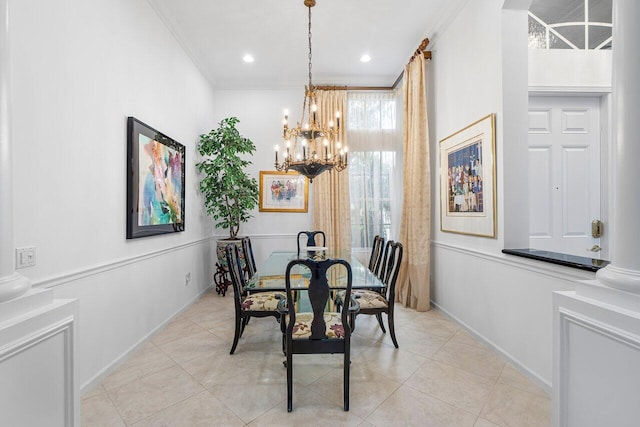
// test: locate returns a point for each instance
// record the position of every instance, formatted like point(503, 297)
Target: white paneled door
point(564, 174)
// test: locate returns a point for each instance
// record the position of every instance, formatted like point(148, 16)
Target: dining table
point(270, 275)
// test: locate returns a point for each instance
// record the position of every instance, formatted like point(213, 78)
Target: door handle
point(595, 248)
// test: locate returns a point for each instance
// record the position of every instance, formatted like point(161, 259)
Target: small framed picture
point(283, 192)
point(155, 182)
point(468, 180)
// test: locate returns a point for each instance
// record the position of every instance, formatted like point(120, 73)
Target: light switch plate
point(25, 257)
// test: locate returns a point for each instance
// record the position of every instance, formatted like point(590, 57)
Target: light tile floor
point(440, 376)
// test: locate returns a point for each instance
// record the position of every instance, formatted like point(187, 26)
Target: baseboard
point(539, 381)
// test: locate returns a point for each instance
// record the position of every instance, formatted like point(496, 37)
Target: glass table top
point(270, 275)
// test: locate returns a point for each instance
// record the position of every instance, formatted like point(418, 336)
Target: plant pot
point(221, 276)
point(221, 247)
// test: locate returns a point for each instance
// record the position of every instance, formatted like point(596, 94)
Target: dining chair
point(261, 304)
point(320, 331)
point(376, 302)
point(376, 254)
point(311, 238)
point(249, 260)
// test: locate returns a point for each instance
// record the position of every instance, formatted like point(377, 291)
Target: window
point(575, 24)
point(375, 179)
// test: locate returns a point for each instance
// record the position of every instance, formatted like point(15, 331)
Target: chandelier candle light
point(308, 157)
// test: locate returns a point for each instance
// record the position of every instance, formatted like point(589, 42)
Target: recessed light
point(365, 58)
point(248, 58)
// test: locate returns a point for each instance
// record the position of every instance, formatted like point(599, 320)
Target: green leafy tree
point(230, 193)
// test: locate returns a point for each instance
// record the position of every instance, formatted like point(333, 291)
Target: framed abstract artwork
point(283, 192)
point(155, 182)
point(468, 180)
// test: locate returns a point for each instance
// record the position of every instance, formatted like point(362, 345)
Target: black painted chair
point(376, 302)
point(311, 238)
point(376, 254)
point(381, 273)
point(249, 260)
point(320, 331)
point(262, 304)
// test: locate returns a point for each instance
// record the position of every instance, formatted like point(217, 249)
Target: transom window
point(570, 24)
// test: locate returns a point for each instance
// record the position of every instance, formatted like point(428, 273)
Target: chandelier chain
point(310, 88)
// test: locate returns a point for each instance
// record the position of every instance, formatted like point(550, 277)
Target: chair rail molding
point(537, 267)
point(61, 279)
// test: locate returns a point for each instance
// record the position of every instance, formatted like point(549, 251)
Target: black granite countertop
point(583, 263)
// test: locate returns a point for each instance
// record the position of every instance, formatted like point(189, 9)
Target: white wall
point(260, 113)
point(79, 68)
point(563, 69)
point(505, 301)
point(465, 85)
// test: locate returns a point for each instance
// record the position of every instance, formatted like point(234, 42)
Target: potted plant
point(229, 192)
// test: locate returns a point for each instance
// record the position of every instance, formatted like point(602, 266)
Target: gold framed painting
point(283, 192)
point(468, 180)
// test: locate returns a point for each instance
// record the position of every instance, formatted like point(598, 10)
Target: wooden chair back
point(391, 268)
point(236, 273)
point(376, 254)
point(249, 260)
point(311, 238)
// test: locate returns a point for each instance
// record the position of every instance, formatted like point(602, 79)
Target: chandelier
point(311, 147)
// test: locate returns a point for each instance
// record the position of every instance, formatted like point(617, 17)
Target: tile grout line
point(493, 389)
point(379, 341)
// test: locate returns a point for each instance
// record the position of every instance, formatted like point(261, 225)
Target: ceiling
point(217, 34)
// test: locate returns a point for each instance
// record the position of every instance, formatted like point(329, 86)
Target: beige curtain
point(331, 209)
point(413, 283)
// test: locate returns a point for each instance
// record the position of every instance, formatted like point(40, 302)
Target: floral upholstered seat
point(263, 301)
point(366, 299)
point(302, 326)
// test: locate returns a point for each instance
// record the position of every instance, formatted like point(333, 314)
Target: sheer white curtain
point(375, 166)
